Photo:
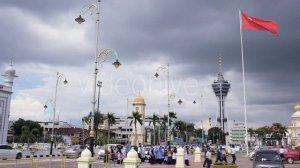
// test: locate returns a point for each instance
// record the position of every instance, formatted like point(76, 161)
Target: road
point(57, 162)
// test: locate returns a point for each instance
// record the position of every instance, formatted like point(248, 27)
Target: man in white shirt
point(208, 158)
point(233, 154)
point(281, 152)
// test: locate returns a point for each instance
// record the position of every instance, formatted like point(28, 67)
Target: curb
point(41, 156)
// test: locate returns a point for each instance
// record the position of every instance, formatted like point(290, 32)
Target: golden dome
point(297, 107)
point(139, 100)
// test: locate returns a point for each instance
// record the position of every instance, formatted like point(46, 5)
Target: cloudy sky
point(190, 35)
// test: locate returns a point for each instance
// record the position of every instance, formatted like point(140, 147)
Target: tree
point(32, 129)
point(137, 118)
point(154, 119)
point(98, 119)
point(164, 123)
point(251, 132)
point(278, 132)
point(214, 134)
point(262, 132)
point(87, 120)
point(179, 128)
point(26, 135)
point(190, 130)
point(111, 120)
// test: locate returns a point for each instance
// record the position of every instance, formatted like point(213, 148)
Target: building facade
point(5, 99)
point(237, 134)
point(294, 129)
point(138, 131)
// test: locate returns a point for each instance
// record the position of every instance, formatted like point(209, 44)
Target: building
point(294, 129)
point(5, 99)
point(237, 134)
point(70, 134)
point(221, 89)
point(138, 131)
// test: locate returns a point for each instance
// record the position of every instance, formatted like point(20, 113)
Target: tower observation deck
point(221, 88)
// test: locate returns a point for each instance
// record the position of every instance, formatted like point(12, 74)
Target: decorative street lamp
point(60, 78)
point(166, 69)
point(99, 84)
point(100, 57)
point(201, 108)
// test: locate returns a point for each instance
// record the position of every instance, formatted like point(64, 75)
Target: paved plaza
point(56, 162)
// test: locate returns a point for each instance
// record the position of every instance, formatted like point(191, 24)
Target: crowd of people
point(167, 155)
point(221, 155)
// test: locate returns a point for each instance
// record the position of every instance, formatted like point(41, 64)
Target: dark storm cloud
point(191, 33)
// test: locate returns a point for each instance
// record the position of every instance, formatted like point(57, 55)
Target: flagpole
point(244, 87)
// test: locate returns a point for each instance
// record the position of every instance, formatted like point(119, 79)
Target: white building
point(237, 134)
point(138, 133)
point(5, 98)
point(294, 129)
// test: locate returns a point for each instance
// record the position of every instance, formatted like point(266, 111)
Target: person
point(159, 153)
point(173, 160)
point(119, 157)
point(281, 152)
point(208, 158)
point(205, 160)
point(139, 150)
point(219, 153)
point(223, 155)
point(142, 153)
point(186, 157)
point(233, 154)
point(152, 156)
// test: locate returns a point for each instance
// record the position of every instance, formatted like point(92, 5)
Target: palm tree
point(172, 115)
point(164, 123)
point(262, 132)
point(27, 135)
point(87, 120)
point(111, 120)
point(179, 127)
point(251, 132)
point(278, 131)
point(190, 130)
point(154, 120)
point(137, 118)
point(98, 119)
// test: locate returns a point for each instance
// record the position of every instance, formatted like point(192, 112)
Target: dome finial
point(297, 107)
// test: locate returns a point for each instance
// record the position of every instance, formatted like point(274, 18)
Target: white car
point(7, 152)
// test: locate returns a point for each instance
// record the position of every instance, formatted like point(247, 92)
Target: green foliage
point(27, 130)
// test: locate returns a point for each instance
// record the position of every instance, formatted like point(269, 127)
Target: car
point(7, 152)
point(74, 151)
point(251, 154)
point(267, 158)
point(290, 155)
point(101, 152)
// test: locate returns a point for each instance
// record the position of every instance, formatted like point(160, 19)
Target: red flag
point(253, 23)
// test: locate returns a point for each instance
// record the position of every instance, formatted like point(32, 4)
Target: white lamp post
point(99, 58)
point(166, 69)
point(59, 78)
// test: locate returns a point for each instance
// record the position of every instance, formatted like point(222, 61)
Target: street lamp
point(100, 57)
point(166, 69)
point(59, 79)
point(45, 107)
point(99, 84)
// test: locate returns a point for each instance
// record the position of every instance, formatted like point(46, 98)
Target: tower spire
point(220, 73)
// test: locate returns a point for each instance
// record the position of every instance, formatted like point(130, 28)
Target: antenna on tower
point(11, 61)
point(220, 64)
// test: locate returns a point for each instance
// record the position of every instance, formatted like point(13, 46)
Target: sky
point(42, 38)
